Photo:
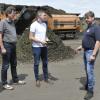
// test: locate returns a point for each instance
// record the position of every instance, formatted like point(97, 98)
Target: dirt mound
point(56, 49)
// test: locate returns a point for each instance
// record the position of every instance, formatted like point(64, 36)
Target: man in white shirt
point(39, 40)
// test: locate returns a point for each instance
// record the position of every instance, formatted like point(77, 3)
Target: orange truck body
point(64, 24)
point(2, 16)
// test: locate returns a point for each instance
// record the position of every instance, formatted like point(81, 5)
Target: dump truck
point(67, 25)
point(64, 25)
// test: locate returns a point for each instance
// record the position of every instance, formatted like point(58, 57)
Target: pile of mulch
point(56, 49)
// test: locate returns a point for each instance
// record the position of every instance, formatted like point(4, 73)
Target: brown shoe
point(38, 83)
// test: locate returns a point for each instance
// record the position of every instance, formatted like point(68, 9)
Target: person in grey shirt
point(8, 39)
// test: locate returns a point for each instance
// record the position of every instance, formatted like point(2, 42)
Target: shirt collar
point(9, 21)
point(90, 25)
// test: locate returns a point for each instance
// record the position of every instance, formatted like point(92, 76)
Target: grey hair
point(89, 14)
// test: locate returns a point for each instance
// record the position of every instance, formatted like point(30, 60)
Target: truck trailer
point(64, 25)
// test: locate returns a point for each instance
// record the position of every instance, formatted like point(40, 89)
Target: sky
point(70, 6)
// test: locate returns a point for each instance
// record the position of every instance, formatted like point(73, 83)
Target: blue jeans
point(40, 52)
point(9, 58)
point(89, 68)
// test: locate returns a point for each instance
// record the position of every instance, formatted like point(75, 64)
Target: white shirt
point(39, 31)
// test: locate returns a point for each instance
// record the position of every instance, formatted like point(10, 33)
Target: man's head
point(89, 17)
point(10, 12)
point(42, 15)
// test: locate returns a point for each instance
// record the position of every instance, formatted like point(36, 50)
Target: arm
point(78, 49)
point(3, 50)
point(47, 39)
point(96, 48)
point(1, 43)
point(97, 44)
point(32, 37)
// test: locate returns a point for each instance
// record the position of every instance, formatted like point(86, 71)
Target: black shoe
point(88, 95)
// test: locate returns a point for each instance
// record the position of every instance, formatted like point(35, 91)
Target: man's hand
point(3, 51)
point(44, 42)
point(47, 40)
point(78, 49)
point(92, 58)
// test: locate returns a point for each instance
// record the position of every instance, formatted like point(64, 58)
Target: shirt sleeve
point(33, 28)
point(97, 33)
point(1, 26)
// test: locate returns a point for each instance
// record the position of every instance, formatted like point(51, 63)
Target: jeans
point(9, 58)
point(89, 68)
point(40, 52)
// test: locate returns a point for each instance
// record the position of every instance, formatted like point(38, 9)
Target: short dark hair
point(39, 12)
point(43, 9)
point(89, 14)
point(9, 10)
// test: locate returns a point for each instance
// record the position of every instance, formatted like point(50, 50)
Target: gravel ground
point(67, 77)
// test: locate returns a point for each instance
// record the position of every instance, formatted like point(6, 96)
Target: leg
point(90, 71)
point(90, 75)
point(5, 66)
point(5, 63)
point(85, 64)
point(13, 62)
point(45, 62)
point(36, 54)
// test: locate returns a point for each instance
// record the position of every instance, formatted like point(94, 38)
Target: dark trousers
point(9, 58)
point(40, 52)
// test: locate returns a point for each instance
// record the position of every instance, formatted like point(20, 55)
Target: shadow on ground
point(21, 77)
point(1, 88)
point(51, 77)
point(82, 80)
